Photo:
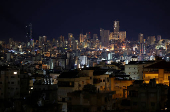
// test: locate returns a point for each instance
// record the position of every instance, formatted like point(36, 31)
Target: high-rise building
point(122, 35)
point(158, 37)
point(104, 37)
point(29, 33)
point(70, 39)
point(144, 47)
point(88, 35)
point(61, 38)
point(42, 40)
point(9, 83)
point(81, 38)
point(116, 26)
point(151, 40)
point(140, 38)
point(111, 36)
point(95, 37)
point(116, 30)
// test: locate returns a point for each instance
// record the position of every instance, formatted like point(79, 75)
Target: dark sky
point(60, 17)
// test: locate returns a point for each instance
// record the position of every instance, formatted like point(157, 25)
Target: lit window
point(15, 72)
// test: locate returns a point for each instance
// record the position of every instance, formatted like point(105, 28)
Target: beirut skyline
point(53, 18)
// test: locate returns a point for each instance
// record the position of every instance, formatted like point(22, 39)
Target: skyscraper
point(70, 39)
point(116, 29)
point(158, 37)
point(151, 40)
point(88, 35)
point(81, 38)
point(104, 37)
point(111, 36)
point(116, 26)
point(95, 36)
point(122, 35)
point(29, 34)
point(140, 38)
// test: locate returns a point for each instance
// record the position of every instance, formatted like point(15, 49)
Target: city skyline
point(60, 18)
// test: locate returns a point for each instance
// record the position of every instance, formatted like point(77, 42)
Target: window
point(71, 84)
point(103, 80)
point(142, 94)
point(135, 103)
point(143, 104)
point(12, 76)
point(152, 104)
point(152, 95)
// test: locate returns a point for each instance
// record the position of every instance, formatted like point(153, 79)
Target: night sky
point(60, 17)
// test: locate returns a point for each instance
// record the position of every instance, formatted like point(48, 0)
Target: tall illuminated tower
point(29, 34)
point(140, 38)
point(116, 29)
point(116, 26)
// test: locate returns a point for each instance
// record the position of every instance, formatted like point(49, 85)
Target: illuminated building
point(61, 38)
point(95, 37)
point(151, 40)
point(29, 33)
point(119, 85)
point(122, 35)
point(9, 83)
point(42, 40)
point(101, 80)
point(82, 60)
point(88, 35)
point(81, 38)
point(160, 71)
point(116, 29)
point(69, 82)
point(135, 68)
point(143, 97)
point(140, 38)
point(104, 37)
point(116, 26)
point(141, 44)
point(144, 47)
point(75, 45)
point(111, 36)
point(70, 39)
point(158, 37)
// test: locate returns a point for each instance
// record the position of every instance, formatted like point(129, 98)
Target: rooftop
point(140, 62)
point(160, 65)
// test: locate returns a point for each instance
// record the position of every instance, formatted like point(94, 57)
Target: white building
point(135, 69)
